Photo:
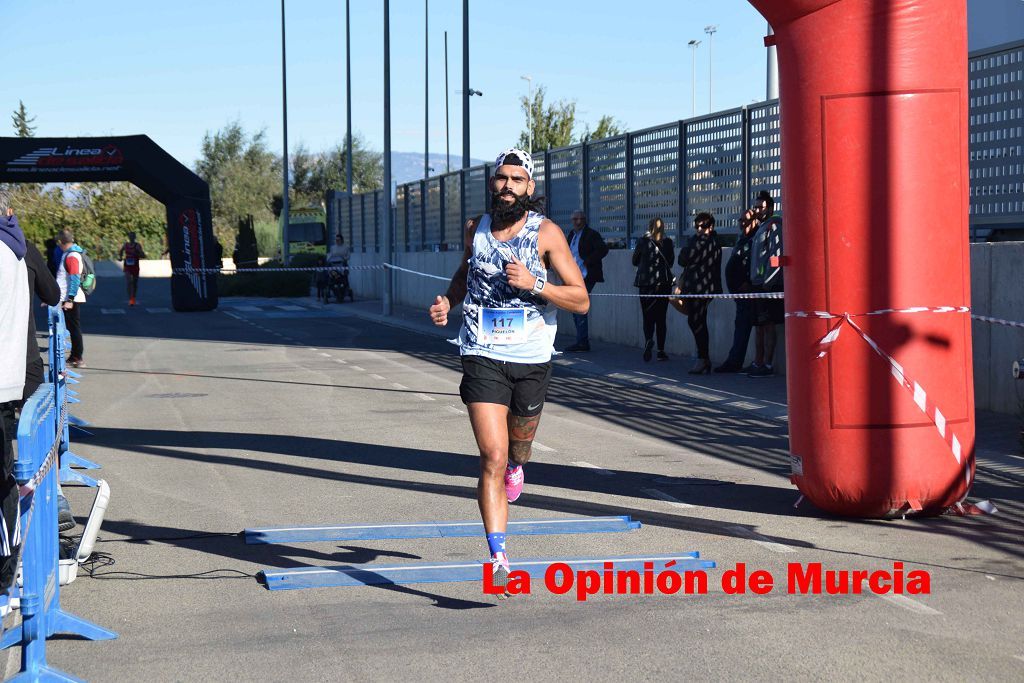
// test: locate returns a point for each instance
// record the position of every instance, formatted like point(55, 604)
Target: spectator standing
point(737, 279)
point(52, 255)
point(766, 277)
point(653, 258)
point(701, 260)
point(44, 286)
point(72, 296)
point(589, 249)
point(130, 254)
point(14, 311)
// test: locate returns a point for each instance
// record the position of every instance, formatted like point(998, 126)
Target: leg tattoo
point(521, 431)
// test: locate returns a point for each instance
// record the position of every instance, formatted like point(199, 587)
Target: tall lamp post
point(693, 78)
point(387, 247)
point(426, 89)
point(447, 143)
point(710, 30)
point(284, 158)
point(466, 92)
point(529, 109)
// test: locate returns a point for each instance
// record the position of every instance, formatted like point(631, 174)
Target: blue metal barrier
point(60, 377)
point(42, 437)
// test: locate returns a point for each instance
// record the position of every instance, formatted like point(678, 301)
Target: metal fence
point(716, 163)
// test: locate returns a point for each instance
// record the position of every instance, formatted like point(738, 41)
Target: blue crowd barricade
point(60, 376)
point(42, 438)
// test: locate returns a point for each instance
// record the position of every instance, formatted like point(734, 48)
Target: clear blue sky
point(175, 70)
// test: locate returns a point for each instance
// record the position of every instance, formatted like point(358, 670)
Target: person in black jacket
point(737, 278)
point(588, 248)
point(44, 286)
point(701, 260)
point(653, 260)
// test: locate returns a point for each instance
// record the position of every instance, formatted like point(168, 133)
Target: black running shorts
point(520, 386)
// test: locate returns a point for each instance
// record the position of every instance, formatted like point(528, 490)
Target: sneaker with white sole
point(500, 571)
point(514, 480)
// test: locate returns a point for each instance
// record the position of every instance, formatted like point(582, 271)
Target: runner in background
point(131, 253)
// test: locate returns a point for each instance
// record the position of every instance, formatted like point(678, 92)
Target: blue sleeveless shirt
point(487, 287)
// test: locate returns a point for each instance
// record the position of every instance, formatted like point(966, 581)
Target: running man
point(508, 333)
point(131, 253)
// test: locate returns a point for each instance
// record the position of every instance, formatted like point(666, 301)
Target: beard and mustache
point(503, 213)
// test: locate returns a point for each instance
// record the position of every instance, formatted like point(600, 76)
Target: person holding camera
point(701, 260)
point(766, 276)
point(653, 260)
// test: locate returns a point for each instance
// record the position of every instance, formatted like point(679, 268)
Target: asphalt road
point(209, 423)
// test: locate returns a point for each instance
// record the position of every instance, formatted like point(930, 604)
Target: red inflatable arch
point(874, 104)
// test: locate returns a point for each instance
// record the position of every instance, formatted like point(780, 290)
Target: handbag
point(681, 305)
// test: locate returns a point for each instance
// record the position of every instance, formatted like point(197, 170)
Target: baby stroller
point(337, 284)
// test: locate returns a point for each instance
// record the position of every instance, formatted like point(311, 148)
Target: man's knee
point(493, 463)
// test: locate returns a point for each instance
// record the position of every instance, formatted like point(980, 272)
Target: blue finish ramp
point(373, 532)
point(448, 572)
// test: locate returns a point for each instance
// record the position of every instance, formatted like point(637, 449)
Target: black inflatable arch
point(138, 160)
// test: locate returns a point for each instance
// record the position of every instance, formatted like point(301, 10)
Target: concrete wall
point(997, 284)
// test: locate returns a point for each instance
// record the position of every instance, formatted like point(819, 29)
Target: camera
point(1018, 369)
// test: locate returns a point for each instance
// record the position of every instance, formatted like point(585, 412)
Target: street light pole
point(447, 142)
point(529, 109)
point(387, 246)
point(426, 89)
point(693, 78)
point(465, 84)
point(348, 105)
point(284, 158)
point(710, 30)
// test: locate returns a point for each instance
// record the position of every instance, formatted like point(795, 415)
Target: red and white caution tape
point(997, 321)
point(916, 391)
point(310, 269)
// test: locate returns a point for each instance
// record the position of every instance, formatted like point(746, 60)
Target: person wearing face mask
point(653, 259)
point(701, 260)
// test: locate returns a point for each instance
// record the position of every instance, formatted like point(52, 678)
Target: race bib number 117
point(502, 325)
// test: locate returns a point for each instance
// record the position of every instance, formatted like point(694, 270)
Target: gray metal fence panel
point(538, 175)
point(476, 190)
point(453, 210)
point(433, 226)
point(565, 184)
point(997, 139)
point(655, 179)
point(714, 168)
point(358, 234)
point(402, 219)
point(414, 222)
point(608, 189)
point(765, 152)
point(379, 206)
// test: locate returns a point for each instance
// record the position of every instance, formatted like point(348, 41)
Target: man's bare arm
point(456, 287)
point(572, 293)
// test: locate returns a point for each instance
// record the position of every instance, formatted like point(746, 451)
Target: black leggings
point(697, 318)
point(654, 311)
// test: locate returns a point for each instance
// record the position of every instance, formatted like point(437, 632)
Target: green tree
point(23, 127)
point(607, 127)
point(313, 174)
point(243, 176)
point(552, 123)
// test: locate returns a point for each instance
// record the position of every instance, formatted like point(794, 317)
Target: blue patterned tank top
point(487, 287)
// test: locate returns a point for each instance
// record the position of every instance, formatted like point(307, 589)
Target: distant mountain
point(407, 166)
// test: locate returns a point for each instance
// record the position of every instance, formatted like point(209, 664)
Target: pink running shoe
point(514, 480)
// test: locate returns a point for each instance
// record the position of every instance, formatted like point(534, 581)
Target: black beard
point(507, 214)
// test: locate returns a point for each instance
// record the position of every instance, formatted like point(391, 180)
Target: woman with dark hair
point(701, 260)
point(653, 259)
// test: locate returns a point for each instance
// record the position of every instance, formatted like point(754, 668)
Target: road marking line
point(909, 604)
point(597, 470)
point(358, 369)
point(661, 495)
point(456, 410)
point(377, 377)
point(325, 355)
point(343, 362)
point(291, 307)
point(1020, 657)
point(235, 316)
point(248, 309)
point(113, 311)
point(760, 540)
point(158, 310)
point(745, 405)
point(313, 349)
point(544, 449)
point(396, 385)
point(425, 397)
